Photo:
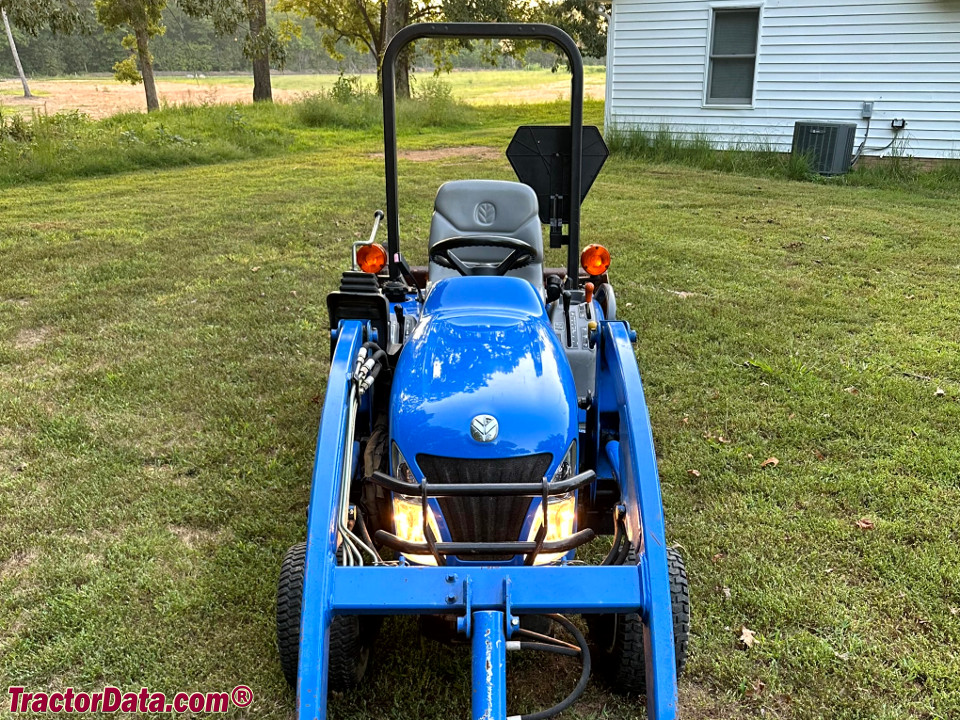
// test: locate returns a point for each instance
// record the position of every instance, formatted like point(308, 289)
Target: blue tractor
point(484, 418)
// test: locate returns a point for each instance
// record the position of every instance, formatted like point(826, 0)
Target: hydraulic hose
point(618, 538)
point(584, 653)
point(364, 534)
point(369, 360)
point(537, 637)
point(547, 647)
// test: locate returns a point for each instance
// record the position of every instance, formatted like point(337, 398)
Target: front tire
point(350, 638)
point(618, 639)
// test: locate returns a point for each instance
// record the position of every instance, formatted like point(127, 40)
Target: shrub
point(321, 109)
point(69, 145)
point(348, 89)
point(350, 104)
point(433, 105)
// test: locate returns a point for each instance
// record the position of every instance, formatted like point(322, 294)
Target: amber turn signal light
point(371, 258)
point(595, 259)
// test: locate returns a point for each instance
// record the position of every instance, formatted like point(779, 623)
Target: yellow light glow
point(408, 522)
point(561, 517)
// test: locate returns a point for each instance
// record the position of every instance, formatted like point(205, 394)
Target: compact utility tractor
point(483, 419)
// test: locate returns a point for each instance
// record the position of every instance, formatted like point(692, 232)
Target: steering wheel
point(521, 254)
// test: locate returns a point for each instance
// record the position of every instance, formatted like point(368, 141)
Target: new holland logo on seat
point(486, 213)
point(484, 428)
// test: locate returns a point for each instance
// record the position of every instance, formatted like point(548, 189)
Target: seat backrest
point(488, 207)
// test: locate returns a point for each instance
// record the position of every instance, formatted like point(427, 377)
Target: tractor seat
point(487, 207)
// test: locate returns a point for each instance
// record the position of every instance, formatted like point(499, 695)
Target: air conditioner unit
point(828, 145)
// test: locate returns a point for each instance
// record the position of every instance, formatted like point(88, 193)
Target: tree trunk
point(397, 18)
point(16, 55)
point(257, 13)
point(146, 68)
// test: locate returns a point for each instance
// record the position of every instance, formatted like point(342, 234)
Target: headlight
point(561, 517)
point(569, 464)
point(408, 522)
point(408, 512)
point(561, 510)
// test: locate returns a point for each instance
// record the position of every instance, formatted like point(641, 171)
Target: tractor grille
point(484, 519)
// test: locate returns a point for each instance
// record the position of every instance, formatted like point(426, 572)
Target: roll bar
point(489, 31)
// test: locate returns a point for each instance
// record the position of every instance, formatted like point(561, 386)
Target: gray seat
point(487, 207)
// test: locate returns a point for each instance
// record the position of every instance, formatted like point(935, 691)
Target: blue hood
point(484, 345)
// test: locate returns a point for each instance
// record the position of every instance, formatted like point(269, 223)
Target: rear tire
point(608, 301)
point(350, 638)
point(618, 639)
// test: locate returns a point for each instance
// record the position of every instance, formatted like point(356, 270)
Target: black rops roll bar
point(484, 31)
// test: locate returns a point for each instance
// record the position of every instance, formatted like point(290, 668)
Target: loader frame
point(488, 599)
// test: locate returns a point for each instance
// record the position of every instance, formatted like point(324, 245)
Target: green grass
point(11, 92)
point(163, 348)
point(70, 145)
point(475, 86)
point(662, 145)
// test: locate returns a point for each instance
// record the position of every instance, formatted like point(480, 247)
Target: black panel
point(540, 156)
point(484, 519)
point(361, 303)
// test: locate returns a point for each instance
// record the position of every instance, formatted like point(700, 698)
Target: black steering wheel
point(521, 254)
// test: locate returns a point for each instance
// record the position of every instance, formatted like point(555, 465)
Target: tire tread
point(348, 650)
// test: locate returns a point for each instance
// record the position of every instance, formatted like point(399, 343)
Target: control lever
point(592, 323)
point(554, 288)
point(401, 322)
point(407, 273)
point(566, 314)
point(377, 217)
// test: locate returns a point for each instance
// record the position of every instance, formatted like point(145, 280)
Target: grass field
point(100, 96)
point(163, 351)
point(481, 86)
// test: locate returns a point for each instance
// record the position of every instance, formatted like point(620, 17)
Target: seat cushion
point(487, 207)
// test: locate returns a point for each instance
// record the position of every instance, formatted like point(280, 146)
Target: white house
point(743, 71)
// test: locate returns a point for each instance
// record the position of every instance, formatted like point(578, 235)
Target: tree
point(62, 16)
point(32, 16)
point(260, 55)
point(262, 44)
point(16, 56)
point(586, 21)
point(367, 25)
point(142, 18)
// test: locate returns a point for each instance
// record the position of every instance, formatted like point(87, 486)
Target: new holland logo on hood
point(484, 428)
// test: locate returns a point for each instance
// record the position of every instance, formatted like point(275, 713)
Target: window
point(733, 56)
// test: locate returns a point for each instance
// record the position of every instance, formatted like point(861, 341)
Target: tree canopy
point(71, 36)
point(58, 15)
point(368, 25)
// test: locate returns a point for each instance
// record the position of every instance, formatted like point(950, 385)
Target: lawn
point(163, 353)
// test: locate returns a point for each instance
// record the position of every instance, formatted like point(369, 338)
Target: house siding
point(816, 60)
